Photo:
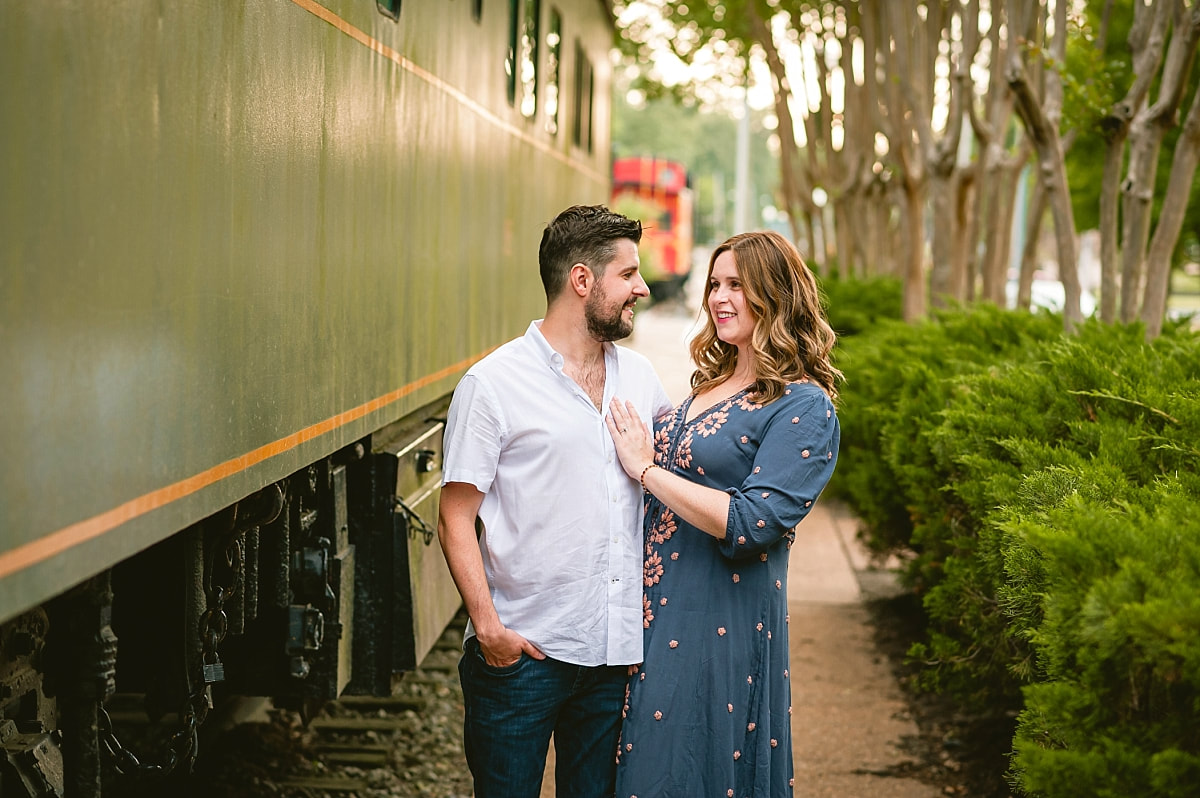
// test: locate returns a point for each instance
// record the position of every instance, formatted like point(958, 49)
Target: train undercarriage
point(323, 584)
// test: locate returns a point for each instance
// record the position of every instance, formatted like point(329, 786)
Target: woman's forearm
point(705, 508)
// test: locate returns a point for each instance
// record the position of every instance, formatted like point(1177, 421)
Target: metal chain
point(184, 745)
point(416, 524)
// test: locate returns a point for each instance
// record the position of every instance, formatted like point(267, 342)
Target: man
point(553, 584)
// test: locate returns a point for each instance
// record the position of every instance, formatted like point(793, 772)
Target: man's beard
point(604, 327)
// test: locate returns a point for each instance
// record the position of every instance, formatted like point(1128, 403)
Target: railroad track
point(406, 745)
point(362, 741)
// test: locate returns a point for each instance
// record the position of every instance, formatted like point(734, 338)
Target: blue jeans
point(511, 713)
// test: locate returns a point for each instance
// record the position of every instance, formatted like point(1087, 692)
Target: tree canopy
point(926, 124)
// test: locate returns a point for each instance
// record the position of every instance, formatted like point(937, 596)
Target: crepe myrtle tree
point(918, 118)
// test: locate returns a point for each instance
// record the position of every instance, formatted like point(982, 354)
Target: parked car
point(1049, 294)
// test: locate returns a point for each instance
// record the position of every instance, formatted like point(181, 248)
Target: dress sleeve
point(796, 456)
point(474, 435)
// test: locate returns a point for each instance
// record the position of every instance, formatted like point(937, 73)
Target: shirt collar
point(549, 354)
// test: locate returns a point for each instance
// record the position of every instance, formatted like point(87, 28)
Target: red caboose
point(657, 191)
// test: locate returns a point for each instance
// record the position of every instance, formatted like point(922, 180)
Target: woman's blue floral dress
point(708, 712)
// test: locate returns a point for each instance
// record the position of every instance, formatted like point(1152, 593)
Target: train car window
point(577, 115)
point(510, 58)
point(591, 93)
point(477, 9)
point(584, 84)
point(389, 8)
point(528, 60)
point(553, 69)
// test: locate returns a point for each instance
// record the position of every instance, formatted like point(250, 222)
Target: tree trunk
point(1109, 223)
point(845, 244)
point(987, 267)
point(966, 230)
point(941, 289)
point(789, 151)
point(1146, 39)
point(863, 240)
point(1053, 173)
point(873, 199)
point(914, 267)
point(811, 232)
point(907, 137)
point(950, 260)
point(882, 230)
point(1170, 221)
point(1146, 136)
point(1033, 228)
point(1002, 181)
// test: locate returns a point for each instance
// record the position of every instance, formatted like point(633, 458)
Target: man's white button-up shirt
point(562, 542)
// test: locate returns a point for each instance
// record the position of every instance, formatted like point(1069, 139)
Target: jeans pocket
point(507, 670)
point(476, 654)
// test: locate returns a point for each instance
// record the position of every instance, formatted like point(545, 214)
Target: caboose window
point(389, 8)
point(528, 59)
point(477, 9)
point(553, 68)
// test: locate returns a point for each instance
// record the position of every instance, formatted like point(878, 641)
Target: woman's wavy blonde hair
point(791, 338)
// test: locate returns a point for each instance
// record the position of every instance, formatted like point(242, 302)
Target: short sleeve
point(641, 384)
point(796, 457)
point(661, 403)
point(474, 435)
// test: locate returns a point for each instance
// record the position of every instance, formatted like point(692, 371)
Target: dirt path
point(851, 726)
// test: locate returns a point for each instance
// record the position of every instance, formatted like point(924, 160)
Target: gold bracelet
point(642, 479)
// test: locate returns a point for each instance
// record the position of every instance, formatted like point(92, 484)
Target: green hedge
point(1043, 488)
point(852, 306)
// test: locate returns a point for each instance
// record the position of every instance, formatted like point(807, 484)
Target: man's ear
point(580, 279)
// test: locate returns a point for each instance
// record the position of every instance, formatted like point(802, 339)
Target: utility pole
point(720, 205)
point(742, 213)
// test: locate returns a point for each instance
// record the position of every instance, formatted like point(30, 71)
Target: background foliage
point(1042, 489)
point(704, 141)
point(1094, 80)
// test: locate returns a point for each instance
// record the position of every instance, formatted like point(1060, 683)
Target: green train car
point(248, 249)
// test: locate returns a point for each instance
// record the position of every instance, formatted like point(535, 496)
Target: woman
point(729, 473)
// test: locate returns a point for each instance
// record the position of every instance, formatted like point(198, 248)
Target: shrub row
point(853, 306)
point(1044, 490)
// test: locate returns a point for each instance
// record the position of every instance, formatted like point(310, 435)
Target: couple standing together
point(627, 588)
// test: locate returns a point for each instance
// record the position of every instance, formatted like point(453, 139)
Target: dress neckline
point(687, 405)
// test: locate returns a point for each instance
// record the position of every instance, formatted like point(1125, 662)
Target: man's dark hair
point(584, 234)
